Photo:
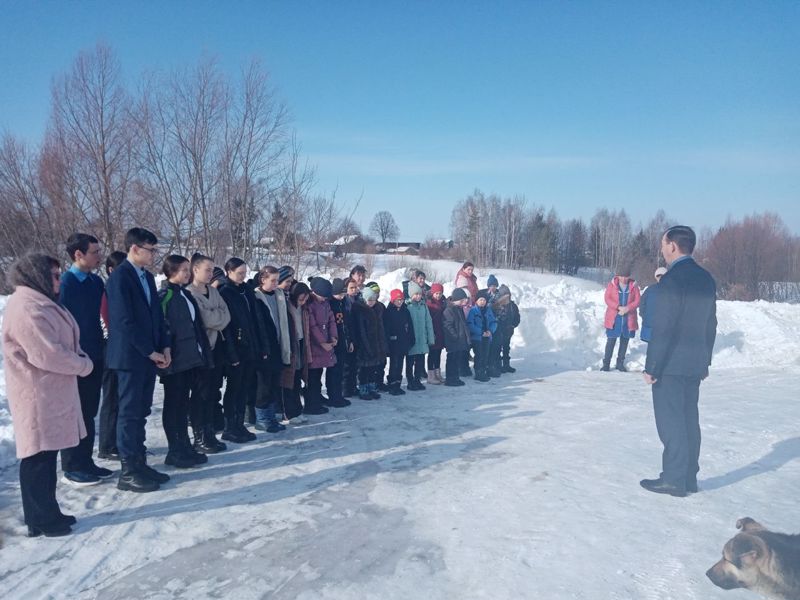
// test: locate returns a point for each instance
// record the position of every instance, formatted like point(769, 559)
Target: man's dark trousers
point(675, 401)
point(79, 458)
point(135, 399)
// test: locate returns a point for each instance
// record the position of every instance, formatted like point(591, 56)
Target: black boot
point(507, 368)
point(232, 432)
point(189, 450)
point(131, 479)
point(610, 343)
point(248, 435)
point(149, 472)
point(206, 441)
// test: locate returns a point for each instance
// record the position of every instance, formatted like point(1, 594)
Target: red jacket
point(612, 301)
point(437, 316)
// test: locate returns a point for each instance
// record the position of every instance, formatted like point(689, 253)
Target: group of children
point(268, 341)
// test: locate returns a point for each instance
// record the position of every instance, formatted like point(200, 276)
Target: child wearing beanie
point(399, 331)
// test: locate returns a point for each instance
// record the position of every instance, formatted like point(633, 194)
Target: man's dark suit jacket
point(136, 329)
point(684, 324)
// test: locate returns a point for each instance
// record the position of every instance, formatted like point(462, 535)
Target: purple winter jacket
point(322, 329)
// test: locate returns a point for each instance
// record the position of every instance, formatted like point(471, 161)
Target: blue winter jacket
point(480, 320)
point(647, 308)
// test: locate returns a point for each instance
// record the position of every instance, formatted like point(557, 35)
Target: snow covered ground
point(523, 487)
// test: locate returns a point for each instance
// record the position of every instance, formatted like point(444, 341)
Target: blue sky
point(692, 107)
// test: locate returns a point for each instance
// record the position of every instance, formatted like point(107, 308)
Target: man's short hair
point(79, 241)
point(683, 237)
point(419, 273)
point(138, 236)
point(358, 269)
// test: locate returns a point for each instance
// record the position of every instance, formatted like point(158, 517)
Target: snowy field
point(525, 487)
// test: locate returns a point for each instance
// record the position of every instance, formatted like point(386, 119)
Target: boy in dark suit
point(137, 346)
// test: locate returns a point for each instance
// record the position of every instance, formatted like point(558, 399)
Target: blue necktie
point(145, 285)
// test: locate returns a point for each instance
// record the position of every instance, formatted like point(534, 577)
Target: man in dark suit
point(137, 345)
point(684, 326)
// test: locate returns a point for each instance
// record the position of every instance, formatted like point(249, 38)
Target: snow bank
point(562, 328)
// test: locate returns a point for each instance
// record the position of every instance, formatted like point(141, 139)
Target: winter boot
point(433, 379)
point(206, 442)
point(262, 418)
point(507, 368)
point(621, 366)
point(373, 391)
point(454, 382)
point(364, 393)
point(395, 389)
point(132, 480)
point(494, 371)
point(232, 432)
point(149, 472)
point(248, 435)
point(415, 386)
point(188, 449)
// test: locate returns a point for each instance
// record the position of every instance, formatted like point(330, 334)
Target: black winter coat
point(383, 347)
point(243, 328)
point(268, 333)
point(685, 322)
point(507, 317)
point(188, 341)
point(456, 333)
point(365, 336)
point(399, 330)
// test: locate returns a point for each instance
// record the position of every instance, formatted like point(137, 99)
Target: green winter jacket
point(423, 328)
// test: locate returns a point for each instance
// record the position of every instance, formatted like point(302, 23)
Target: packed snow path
point(526, 487)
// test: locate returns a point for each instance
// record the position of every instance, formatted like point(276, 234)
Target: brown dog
point(761, 561)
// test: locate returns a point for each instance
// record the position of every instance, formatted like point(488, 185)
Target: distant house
point(409, 248)
point(346, 244)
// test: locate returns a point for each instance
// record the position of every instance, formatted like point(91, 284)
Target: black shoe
point(100, 472)
point(275, 427)
point(338, 402)
point(235, 436)
point(180, 460)
point(605, 368)
point(108, 454)
point(508, 369)
point(466, 372)
point(248, 435)
point(80, 478)
point(150, 472)
point(315, 410)
point(661, 487)
point(383, 387)
point(203, 443)
point(396, 390)
point(131, 479)
point(415, 386)
point(210, 439)
point(495, 373)
point(482, 378)
point(621, 367)
point(454, 382)
point(68, 519)
point(57, 529)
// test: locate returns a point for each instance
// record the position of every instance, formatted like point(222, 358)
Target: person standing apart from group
point(81, 293)
point(42, 358)
point(621, 322)
point(678, 357)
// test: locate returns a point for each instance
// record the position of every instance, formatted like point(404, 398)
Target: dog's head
point(744, 558)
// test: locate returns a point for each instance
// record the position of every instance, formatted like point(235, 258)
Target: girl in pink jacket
point(622, 300)
point(43, 360)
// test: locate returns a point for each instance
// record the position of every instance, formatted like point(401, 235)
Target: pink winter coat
point(612, 302)
point(43, 359)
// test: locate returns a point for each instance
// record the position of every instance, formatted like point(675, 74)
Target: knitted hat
point(321, 287)
point(437, 287)
point(483, 294)
point(373, 285)
point(338, 287)
point(284, 273)
point(503, 291)
point(396, 294)
point(413, 288)
point(458, 294)
point(660, 271)
point(219, 275)
point(368, 294)
point(492, 281)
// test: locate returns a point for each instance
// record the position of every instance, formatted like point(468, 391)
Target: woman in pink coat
point(43, 360)
point(622, 299)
